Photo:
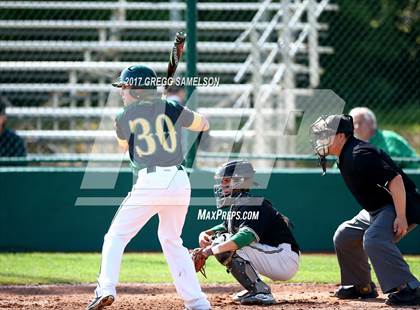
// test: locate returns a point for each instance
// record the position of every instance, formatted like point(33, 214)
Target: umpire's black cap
point(335, 123)
point(343, 123)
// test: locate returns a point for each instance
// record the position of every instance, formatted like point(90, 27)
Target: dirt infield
point(163, 296)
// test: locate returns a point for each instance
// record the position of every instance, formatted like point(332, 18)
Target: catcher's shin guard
point(224, 258)
point(246, 275)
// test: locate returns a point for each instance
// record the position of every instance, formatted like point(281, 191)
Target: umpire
point(391, 205)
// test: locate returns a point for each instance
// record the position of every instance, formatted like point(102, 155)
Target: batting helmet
point(137, 77)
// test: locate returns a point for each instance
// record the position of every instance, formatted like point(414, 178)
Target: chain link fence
point(376, 61)
point(61, 54)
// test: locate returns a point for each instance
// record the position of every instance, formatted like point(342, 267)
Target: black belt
point(295, 248)
point(152, 169)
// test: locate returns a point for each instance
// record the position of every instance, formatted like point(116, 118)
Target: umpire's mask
point(323, 131)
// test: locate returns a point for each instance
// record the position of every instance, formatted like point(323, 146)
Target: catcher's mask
point(233, 180)
point(323, 131)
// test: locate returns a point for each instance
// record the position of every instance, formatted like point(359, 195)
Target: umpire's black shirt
point(367, 171)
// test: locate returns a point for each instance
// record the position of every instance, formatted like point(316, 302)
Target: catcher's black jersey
point(154, 132)
point(270, 226)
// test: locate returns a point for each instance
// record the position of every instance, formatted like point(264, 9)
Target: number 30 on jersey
point(166, 139)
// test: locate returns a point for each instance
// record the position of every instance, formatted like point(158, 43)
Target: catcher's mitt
point(199, 260)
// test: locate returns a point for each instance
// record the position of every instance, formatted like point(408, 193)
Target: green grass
point(48, 268)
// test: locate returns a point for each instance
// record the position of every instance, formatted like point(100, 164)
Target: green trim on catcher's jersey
point(245, 236)
point(218, 228)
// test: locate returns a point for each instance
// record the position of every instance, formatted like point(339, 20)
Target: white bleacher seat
point(205, 67)
point(222, 89)
point(109, 135)
point(127, 46)
point(82, 112)
point(85, 5)
point(148, 25)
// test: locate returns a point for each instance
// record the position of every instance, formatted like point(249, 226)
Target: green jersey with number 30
point(153, 131)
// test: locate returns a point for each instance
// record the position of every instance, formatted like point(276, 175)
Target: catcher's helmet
point(137, 77)
point(235, 168)
point(240, 174)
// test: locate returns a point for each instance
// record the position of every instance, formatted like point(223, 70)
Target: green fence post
point(191, 60)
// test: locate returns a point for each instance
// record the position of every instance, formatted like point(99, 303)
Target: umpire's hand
point(400, 227)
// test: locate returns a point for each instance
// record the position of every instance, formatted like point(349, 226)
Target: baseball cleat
point(257, 299)
point(240, 295)
point(404, 297)
point(357, 291)
point(98, 303)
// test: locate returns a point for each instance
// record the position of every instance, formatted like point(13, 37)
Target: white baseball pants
point(276, 263)
point(165, 192)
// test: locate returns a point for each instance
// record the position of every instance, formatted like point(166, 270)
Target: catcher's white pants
point(276, 263)
point(165, 192)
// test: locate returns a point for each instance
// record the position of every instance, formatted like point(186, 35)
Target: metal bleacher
point(56, 68)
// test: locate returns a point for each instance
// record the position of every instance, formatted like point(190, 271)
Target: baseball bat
point(175, 56)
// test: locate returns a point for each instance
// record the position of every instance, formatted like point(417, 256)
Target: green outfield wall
point(45, 209)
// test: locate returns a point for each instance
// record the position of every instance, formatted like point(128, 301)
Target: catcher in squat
point(248, 245)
